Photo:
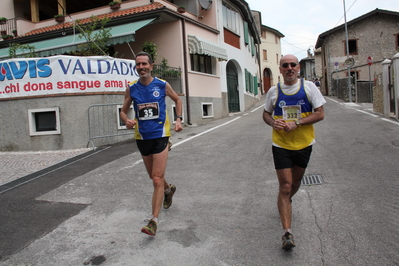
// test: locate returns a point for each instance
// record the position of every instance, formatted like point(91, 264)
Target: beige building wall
point(270, 55)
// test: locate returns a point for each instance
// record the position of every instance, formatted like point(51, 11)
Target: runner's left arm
point(178, 104)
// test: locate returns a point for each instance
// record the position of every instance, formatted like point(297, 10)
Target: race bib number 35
point(291, 112)
point(148, 111)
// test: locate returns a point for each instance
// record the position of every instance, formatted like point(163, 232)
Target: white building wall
point(243, 59)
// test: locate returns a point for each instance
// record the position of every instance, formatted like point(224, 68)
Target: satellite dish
point(205, 4)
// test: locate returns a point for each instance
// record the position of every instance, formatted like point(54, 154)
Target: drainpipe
point(260, 72)
point(185, 70)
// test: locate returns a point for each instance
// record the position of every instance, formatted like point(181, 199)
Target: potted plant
point(59, 18)
point(15, 33)
point(7, 37)
point(114, 5)
point(3, 20)
point(181, 9)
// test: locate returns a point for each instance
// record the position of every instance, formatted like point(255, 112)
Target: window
point(44, 121)
point(255, 85)
point(130, 114)
point(230, 19)
point(252, 46)
point(352, 47)
point(246, 33)
point(201, 63)
point(354, 74)
point(175, 114)
point(276, 38)
point(277, 59)
point(397, 41)
point(263, 34)
point(265, 55)
point(207, 110)
point(249, 81)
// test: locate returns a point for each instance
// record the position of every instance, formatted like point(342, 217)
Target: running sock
point(155, 219)
point(167, 191)
point(288, 230)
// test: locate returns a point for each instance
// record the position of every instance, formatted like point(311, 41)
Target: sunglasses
point(292, 64)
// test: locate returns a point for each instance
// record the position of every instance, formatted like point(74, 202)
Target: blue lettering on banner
point(114, 68)
point(100, 71)
point(37, 68)
point(103, 67)
point(78, 66)
point(41, 68)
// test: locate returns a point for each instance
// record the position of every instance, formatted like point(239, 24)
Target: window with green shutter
point(246, 33)
point(256, 85)
point(252, 46)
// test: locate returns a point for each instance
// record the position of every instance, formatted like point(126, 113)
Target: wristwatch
point(181, 118)
point(298, 123)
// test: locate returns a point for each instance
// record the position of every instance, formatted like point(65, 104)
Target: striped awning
point(65, 44)
point(197, 45)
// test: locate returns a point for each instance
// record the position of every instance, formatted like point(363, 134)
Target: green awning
point(197, 45)
point(64, 44)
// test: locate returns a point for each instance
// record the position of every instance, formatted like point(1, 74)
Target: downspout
point(185, 70)
point(260, 72)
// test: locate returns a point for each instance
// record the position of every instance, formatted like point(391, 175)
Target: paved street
point(224, 211)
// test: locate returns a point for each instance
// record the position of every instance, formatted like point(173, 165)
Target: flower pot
point(60, 19)
point(115, 6)
point(181, 10)
point(2, 22)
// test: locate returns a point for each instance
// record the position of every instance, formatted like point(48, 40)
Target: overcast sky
point(303, 21)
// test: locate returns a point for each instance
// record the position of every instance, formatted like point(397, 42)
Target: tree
point(97, 43)
point(14, 47)
point(151, 48)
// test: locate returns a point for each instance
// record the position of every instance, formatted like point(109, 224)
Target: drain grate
point(308, 180)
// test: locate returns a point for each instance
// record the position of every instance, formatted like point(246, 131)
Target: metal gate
point(104, 122)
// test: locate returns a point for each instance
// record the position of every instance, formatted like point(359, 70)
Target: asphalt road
point(224, 211)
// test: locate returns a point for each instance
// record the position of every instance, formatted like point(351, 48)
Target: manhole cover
point(312, 180)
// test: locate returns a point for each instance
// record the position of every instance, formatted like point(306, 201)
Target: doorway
point(232, 88)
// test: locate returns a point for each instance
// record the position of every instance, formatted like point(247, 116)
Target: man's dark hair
point(146, 54)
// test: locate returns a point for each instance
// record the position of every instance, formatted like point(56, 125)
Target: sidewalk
point(14, 165)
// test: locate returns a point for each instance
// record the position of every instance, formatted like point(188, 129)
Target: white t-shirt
point(316, 99)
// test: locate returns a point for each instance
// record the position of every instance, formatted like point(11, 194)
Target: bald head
point(289, 68)
point(288, 58)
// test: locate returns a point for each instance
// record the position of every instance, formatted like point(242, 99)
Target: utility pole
point(347, 55)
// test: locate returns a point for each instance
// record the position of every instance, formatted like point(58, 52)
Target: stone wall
point(378, 95)
point(375, 37)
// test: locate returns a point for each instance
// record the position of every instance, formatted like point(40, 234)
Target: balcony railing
point(171, 75)
point(9, 28)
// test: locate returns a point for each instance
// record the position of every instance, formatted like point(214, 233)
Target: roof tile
point(119, 13)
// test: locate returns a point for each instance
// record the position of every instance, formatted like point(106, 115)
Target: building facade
point(215, 44)
point(373, 35)
point(270, 54)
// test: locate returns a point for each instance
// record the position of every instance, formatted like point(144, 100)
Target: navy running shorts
point(152, 146)
point(288, 158)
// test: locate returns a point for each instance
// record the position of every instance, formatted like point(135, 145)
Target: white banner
point(21, 77)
